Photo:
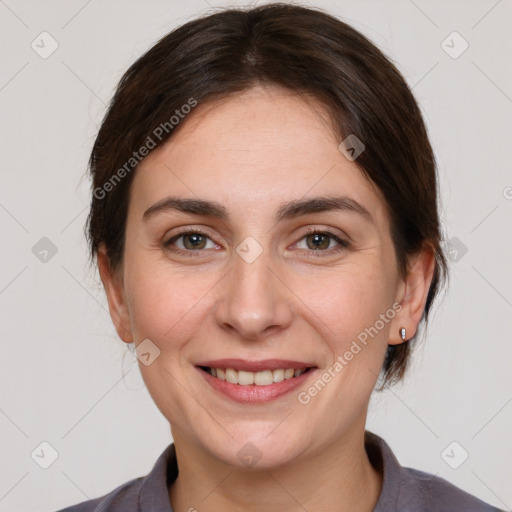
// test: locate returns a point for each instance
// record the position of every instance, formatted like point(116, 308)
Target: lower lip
point(252, 393)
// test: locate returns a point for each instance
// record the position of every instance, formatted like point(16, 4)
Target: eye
point(322, 242)
point(316, 242)
point(190, 241)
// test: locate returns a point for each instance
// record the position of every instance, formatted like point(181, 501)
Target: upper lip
point(256, 366)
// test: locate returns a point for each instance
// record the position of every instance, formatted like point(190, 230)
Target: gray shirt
point(403, 489)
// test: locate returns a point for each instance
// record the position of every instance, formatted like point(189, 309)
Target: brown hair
point(306, 51)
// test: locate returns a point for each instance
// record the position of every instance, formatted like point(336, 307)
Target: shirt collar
point(154, 493)
point(383, 459)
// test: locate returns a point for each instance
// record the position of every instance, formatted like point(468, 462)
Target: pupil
point(319, 241)
point(194, 241)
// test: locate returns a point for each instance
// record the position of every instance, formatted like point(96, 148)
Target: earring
point(402, 333)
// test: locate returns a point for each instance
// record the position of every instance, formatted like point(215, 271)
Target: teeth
point(289, 373)
point(232, 376)
point(278, 375)
point(245, 378)
point(263, 378)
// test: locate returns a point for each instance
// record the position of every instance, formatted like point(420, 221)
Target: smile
point(255, 381)
point(260, 378)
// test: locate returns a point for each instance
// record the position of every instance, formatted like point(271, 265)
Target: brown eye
point(194, 241)
point(321, 243)
point(318, 241)
point(191, 241)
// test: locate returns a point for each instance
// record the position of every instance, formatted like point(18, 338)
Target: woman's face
point(257, 280)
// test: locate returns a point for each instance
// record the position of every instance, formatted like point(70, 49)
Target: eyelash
point(311, 253)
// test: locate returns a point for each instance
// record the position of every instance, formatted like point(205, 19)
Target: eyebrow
point(287, 210)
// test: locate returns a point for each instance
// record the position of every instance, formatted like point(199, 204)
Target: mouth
point(260, 378)
point(255, 381)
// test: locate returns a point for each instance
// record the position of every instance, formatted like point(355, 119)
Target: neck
point(338, 477)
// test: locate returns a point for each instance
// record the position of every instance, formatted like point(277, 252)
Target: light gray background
point(62, 363)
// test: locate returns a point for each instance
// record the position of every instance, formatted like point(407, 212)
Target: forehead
point(253, 149)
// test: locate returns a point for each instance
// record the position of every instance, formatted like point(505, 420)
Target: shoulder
point(406, 489)
point(124, 498)
point(423, 491)
point(141, 494)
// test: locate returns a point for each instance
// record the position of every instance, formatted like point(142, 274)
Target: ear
point(114, 289)
point(413, 292)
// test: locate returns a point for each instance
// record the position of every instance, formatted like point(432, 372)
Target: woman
point(264, 218)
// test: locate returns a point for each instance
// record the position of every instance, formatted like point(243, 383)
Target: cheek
point(167, 308)
point(347, 301)
point(165, 305)
point(348, 306)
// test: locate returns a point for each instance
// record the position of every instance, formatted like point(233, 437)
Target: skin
point(252, 152)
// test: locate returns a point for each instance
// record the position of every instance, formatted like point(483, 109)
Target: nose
point(254, 302)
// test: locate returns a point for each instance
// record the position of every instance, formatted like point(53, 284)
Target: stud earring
point(402, 333)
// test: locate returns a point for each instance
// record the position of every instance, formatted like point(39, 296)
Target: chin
point(256, 445)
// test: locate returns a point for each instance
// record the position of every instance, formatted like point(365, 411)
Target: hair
point(303, 50)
